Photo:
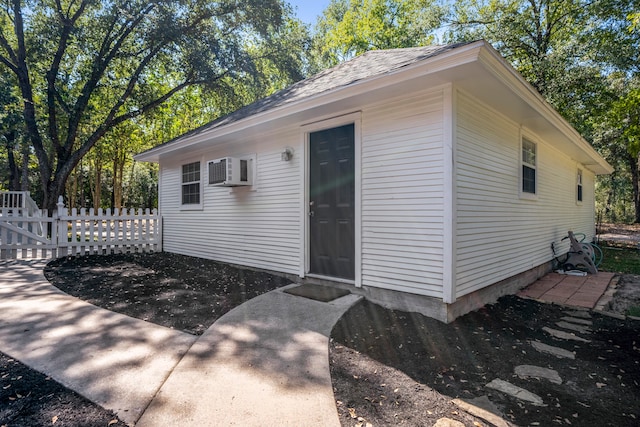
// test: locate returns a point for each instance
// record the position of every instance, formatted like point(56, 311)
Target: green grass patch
point(634, 310)
point(621, 260)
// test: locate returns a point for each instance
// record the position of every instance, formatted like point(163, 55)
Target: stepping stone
point(574, 327)
point(515, 391)
point(578, 321)
point(583, 314)
point(531, 371)
point(482, 407)
point(563, 335)
point(555, 351)
point(448, 422)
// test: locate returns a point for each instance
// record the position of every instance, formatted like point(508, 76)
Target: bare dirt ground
point(388, 367)
point(619, 234)
point(627, 289)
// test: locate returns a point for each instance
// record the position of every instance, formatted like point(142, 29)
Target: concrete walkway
point(264, 363)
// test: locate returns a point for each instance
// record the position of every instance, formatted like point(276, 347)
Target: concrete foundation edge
point(437, 309)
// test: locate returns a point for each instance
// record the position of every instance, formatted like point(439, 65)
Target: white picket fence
point(19, 202)
point(77, 232)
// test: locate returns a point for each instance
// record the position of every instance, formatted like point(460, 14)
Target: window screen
point(528, 166)
point(191, 183)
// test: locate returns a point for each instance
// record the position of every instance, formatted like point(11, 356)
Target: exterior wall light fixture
point(287, 154)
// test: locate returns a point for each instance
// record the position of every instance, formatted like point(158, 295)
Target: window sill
point(191, 207)
point(528, 196)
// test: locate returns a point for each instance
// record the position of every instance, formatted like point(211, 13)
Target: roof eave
point(497, 65)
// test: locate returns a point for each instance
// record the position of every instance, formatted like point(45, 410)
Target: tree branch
point(100, 65)
point(52, 74)
point(8, 64)
point(29, 111)
point(13, 58)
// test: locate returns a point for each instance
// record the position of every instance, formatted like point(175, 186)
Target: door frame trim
point(354, 118)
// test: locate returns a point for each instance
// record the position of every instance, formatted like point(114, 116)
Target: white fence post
point(63, 232)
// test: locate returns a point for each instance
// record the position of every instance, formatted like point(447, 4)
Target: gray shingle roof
point(370, 64)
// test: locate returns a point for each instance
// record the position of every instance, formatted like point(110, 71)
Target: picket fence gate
point(28, 234)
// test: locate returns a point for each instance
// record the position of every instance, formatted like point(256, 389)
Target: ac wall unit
point(231, 172)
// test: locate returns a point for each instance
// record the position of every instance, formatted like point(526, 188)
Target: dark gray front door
point(331, 202)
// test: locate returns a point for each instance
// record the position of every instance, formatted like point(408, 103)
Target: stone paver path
point(579, 321)
point(531, 371)
point(564, 335)
point(574, 325)
point(515, 391)
point(555, 351)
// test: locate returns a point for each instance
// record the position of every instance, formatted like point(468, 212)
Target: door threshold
point(331, 279)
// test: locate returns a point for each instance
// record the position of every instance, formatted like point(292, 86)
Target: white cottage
point(430, 179)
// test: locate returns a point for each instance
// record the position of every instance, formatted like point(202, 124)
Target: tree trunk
point(633, 167)
point(119, 160)
point(24, 184)
point(14, 171)
point(52, 191)
point(97, 185)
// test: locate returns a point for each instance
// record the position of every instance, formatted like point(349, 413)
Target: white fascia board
point(440, 62)
point(498, 66)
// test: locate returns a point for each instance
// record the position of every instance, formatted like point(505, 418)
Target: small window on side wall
point(191, 184)
point(529, 166)
point(579, 186)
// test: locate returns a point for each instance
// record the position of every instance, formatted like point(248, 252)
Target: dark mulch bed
point(396, 368)
point(30, 399)
point(388, 367)
point(171, 290)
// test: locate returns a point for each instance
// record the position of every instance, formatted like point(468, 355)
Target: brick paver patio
point(579, 291)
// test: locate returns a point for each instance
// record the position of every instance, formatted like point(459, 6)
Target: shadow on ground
point(84, 347)
point(386, 364)
point(388, 367)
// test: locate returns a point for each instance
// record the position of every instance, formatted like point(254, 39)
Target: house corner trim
point(449, 195)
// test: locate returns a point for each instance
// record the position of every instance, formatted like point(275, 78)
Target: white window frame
point(523, 162)
point(579, 186)
point(191, 206)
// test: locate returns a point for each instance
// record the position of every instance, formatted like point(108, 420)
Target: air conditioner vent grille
point(218, 172)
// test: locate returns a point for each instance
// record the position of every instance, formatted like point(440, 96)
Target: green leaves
point(86, 67)
point(351, 27)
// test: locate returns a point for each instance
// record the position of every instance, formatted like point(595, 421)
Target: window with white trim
point(529, 166)
point(579, 186)
point(191, 184)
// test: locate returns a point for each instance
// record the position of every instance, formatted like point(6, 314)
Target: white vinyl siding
point(500, 234)
point(403, 246)
point(257, 226)
point(402, 199)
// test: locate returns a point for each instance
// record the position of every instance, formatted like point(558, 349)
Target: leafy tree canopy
point(350, 27)
point(83, 67)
